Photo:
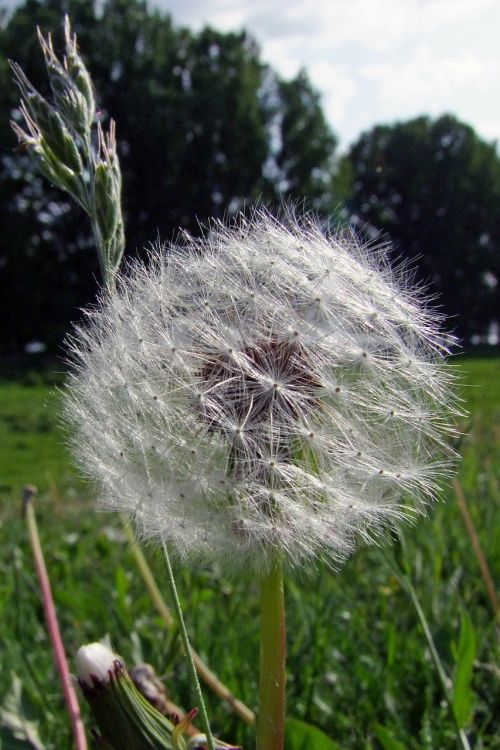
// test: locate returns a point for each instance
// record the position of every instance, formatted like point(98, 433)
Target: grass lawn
point(359, 665)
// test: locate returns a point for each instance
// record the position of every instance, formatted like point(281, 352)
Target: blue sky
point(373, 61)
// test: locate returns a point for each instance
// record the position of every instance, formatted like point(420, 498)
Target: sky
point(374, 61)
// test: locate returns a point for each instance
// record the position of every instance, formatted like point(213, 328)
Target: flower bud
point(94, 663)
point(125, 719)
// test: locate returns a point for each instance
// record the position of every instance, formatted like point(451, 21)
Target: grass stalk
point(61, 662)
point(476, 545)
point(204, 672)
point(460, 734)
point(147, 575)
point(187, 650)
point(271, 716)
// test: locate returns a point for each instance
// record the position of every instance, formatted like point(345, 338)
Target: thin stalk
point(147, 575)
point(476, 545)
point(462, 737)
point(52, 623)
point(187, 649)
point(271, 716)
point(204, 672)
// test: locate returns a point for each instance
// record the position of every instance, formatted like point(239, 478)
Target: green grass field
point(359, 665)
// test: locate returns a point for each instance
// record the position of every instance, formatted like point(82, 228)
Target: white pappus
point(266, 387)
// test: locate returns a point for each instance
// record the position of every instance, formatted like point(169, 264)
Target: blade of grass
point(61, 662)
point(205, 673)
point(187, 650)
point(463, 693)
point(443, 678)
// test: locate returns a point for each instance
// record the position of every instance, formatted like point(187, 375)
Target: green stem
point(461, 736)
point(203, 671)
point(187, 650)
point(271, 717)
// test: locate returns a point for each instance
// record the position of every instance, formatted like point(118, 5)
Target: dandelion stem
point(187, 649)
point(271, 717)
point(51, 620)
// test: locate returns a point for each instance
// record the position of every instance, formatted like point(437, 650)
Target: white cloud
point(375, 60)
point(379, 25)
point(425, 79)
point(338, 87)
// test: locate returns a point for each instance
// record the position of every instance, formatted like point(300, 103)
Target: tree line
point(206, 129)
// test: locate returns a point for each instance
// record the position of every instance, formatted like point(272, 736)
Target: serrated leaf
point(463, 695)
point(19, 729)
point(302, 736)
point(386, 738)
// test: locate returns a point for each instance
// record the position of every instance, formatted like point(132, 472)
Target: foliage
point(358, 664)
point(434, 187)
point(204, 128)
point(207, 128)
point(302, 736)
point(463, 695)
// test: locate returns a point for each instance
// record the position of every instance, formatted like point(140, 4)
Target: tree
point(300, 162)
point(433, 186)
point(205, 128)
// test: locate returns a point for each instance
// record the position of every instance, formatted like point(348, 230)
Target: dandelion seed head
point(266, 387)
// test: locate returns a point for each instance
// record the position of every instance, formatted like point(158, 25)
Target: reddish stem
point(70, 698)
point(476, 545)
